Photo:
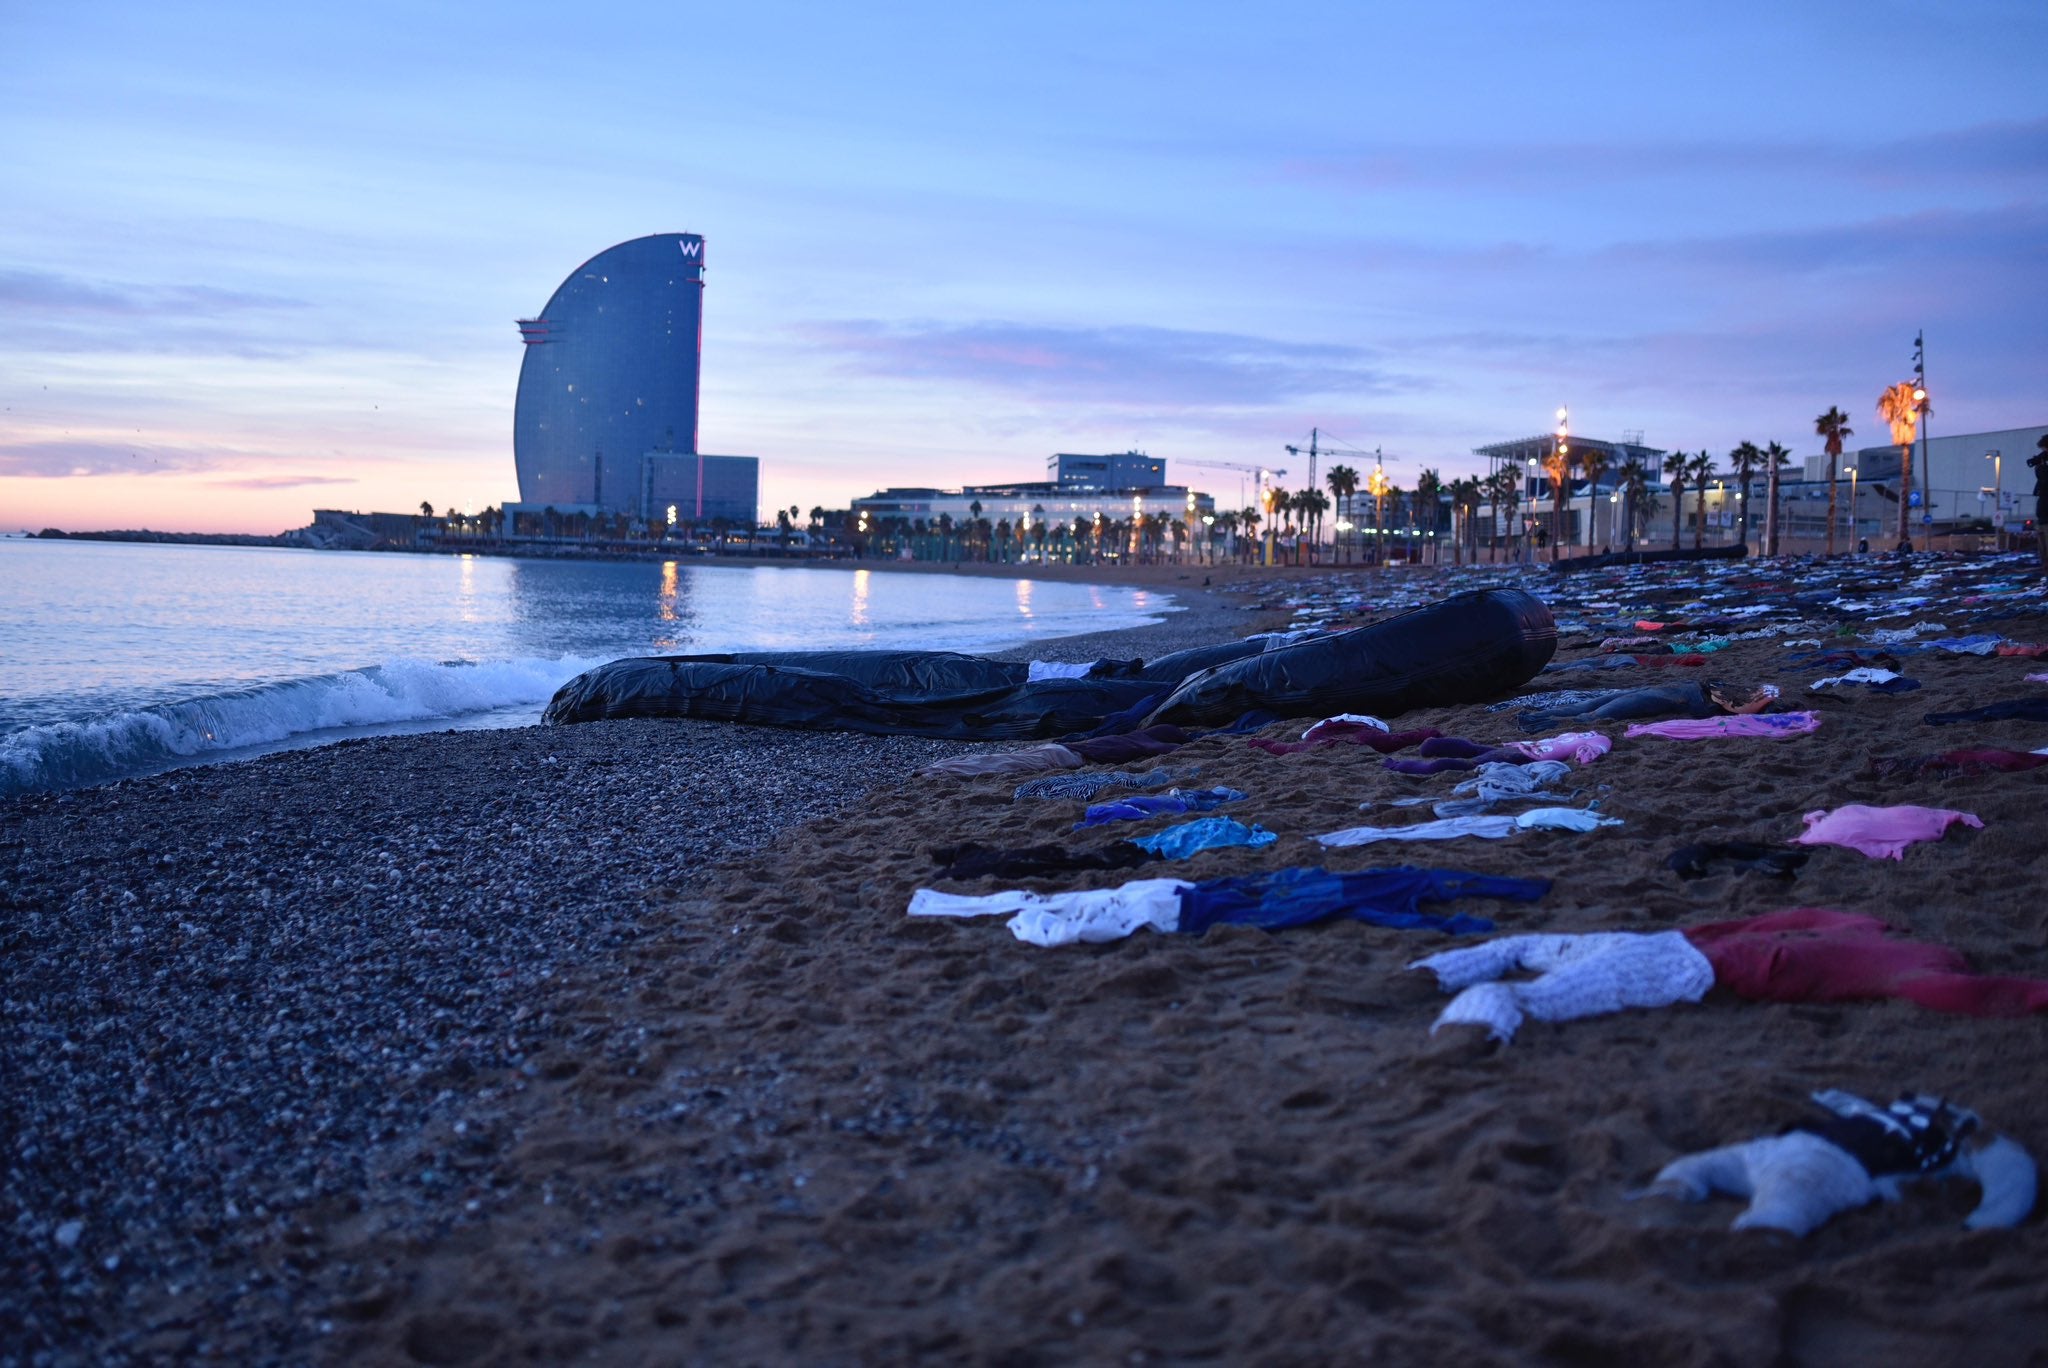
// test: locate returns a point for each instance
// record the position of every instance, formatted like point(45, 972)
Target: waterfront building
point(1084, 491)
point(605, 421)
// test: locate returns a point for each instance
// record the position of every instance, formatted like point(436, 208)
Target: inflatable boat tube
point(898, 703)
point(1469, 648)
point(1476, 646)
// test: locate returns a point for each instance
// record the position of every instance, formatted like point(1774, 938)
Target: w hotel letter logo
point(693, 248)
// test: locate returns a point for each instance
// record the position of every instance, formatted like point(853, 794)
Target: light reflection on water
point(859, 615)
point(92, 628)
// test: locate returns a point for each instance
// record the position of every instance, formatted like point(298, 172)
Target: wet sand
point(612, 1042)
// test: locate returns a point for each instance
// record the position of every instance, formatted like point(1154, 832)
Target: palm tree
point(1250, 517)
point(1833, 426)
point(1743, 461)
point(1503, 491)
point(1557, 465)
point(1315, 503)
point(1679, 469)
point(1429, 493)
point(1465, 500)
point(1593, 463)
point(1634, 478)
point(1898, 409)
point(782, 521)
point(1702, 471)
point(1343, 482)
point(1776, 458)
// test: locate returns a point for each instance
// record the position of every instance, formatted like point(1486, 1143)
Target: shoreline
point(613, 1042)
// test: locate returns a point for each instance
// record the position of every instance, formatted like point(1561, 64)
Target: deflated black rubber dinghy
point(1466, 649)
point(1469, 648)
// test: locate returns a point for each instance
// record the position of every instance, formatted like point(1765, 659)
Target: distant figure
point(1863, 545)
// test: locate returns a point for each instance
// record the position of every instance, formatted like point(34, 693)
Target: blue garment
point(1383, 897)
point(1204, 833)
point(1165, 805)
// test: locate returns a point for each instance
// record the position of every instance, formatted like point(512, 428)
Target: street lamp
point(1561, 451)
point(1852, 501)
point(1997, 459)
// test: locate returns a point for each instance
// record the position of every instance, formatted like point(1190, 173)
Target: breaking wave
point(277, 716)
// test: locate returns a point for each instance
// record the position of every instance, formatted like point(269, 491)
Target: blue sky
point(254, 260)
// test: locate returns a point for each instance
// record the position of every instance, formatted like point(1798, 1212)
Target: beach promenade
point(613, 1042)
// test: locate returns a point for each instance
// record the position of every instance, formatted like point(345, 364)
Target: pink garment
point(1581, 748)
point(1882, 833)
point(1812, 954)
point(1709, 728)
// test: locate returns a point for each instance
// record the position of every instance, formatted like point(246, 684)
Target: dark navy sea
point(120, 659)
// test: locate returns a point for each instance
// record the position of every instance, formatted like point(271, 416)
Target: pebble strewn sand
point(612, 1043)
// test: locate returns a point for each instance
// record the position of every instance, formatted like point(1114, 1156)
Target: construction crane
point(1261, 471)
point(1315, 449)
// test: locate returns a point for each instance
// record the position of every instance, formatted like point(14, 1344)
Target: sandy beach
point(614, 1043)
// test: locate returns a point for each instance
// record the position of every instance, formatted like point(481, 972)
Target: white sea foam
point(68, 754)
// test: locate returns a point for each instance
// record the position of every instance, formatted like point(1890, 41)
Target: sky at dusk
point(256, 259)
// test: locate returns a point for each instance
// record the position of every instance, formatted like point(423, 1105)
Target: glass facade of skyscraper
point(610, 374)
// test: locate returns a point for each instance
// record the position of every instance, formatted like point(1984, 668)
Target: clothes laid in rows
point(1769, 725)
point(1172, 802)
point(1801, 955)
point(1390, 897)
point(1855, 1154)
point(1882, 833)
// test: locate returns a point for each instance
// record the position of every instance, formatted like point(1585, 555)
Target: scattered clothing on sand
point(1489, 828)
point(1498, 780)
point(1072, 786)
point(1698, 861)
point(1689, 700)
point(1343, 721)
point(1276, 900)
point(1812, 954)
point(1324, 735)
point(1982, 645)
point(1691, 660)
point(1876, 680)
point(1857, 1153)
point(1390, 897)
point(1584, 975)
point(1804, 954)
point(1969, 760)
point(1775, 725)
point(1882, 833)
point(2025, 649)
point(2040, 677)
point(2033, 709)
point(1204, 833)
point(1170, 803)
point(1563, 819)
point(1445, 753)
point(1581, 748)
point(1138, 745)
point(973, 860)
point(1484, 826)
point(1034, 760)
point(1561, 699)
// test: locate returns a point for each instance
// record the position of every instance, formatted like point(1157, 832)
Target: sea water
point(119, 659)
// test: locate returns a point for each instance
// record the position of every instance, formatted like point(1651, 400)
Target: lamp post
point(1561, 449)
point(1920, 409)
point(1209, 536)
point(1852, 502)
point(1997, 459)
